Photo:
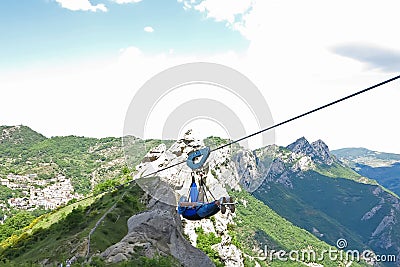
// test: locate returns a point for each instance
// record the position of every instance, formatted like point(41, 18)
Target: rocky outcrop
point(383, 235)
point(371, 213)
point(219, 170)
point(156, 232)
point(219, 173)
point(301, 146)
point(247, 169)
point(155, 153)
point(229, 253)
point(323, 154)
point(279, 173)
point(318, 151)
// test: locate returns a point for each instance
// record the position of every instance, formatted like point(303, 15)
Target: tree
point(15, 223)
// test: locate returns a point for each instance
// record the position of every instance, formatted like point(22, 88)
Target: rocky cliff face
point(156, 232)
point(386, 232)
point(373, 213)
point(160, 230)
point(318, 151)
point(266, 171)
point(220, 171)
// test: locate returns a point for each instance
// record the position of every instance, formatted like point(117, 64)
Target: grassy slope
point(55, 235)
point(387, 176)
point(258, 225)
point(384, 166)
point(20, 135)
point(332, 206)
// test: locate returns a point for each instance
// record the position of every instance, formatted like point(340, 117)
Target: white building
point(4, 182)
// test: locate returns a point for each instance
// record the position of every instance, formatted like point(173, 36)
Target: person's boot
point(202, 191)
point(232, 207)
point(223, 206)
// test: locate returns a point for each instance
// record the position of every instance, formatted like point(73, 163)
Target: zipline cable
point(308, 112)
point(286, 121)
point(253, 134)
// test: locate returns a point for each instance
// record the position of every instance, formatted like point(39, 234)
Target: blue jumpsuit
point(202, 210)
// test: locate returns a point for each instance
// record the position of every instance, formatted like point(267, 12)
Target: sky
point(72, 67)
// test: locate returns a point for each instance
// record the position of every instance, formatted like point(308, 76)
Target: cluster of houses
point(47, 194)
point(24, 182)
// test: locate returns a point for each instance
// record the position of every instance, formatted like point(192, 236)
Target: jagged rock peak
point(189, 136)
point(301, 146)
point(318, 151)
point(322, 151)
point(154, 153)
point(320, 145)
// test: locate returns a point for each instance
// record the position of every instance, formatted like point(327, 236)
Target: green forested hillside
point(383, 167)
point(334, 209)
point(18, 136)
point(93, 165)
point(301, 205)
point(258, 226)
point(63, 233)
point(84, 160)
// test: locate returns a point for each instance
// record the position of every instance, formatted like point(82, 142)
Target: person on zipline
point(197, 209)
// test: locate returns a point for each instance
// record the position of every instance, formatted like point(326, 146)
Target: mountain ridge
point(381, 166)
point(265, 170)
point(292, 189)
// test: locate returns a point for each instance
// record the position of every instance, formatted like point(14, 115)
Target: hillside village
point(46, 194)
point(44, 173)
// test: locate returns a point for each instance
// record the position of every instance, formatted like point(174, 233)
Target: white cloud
point(83, 5)
point(224, 10)
point(292, 60)
point(186, 5)
point(230, 11)
point(126, 1)
point(84, 98)
point(148, 29)
point(92, 99)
